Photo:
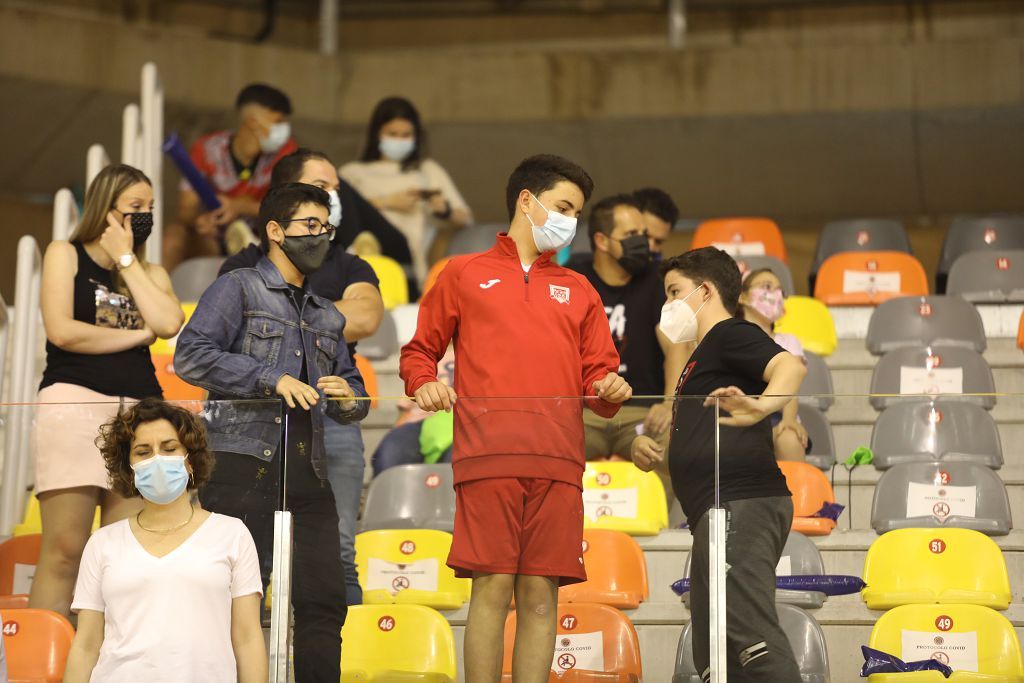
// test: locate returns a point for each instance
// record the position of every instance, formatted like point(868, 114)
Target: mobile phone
point(427, 194)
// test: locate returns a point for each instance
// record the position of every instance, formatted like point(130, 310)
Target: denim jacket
point(244, 336)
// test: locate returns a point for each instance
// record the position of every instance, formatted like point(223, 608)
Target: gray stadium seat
point(383, 343)
point(989, 276)
point(191, 278)
point(473, 239)
point(411, 497)
point(405, 316)
point(781, 270)
point(931, 495)
point(817, 389)
point(955, 432)
point(886, 380)
point(823, 447)
point(977, 233)
point(805, 637)
point(803, 559)
point(858, 234)
point(925, 320)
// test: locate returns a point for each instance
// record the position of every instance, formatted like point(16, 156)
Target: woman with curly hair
point(172, 593)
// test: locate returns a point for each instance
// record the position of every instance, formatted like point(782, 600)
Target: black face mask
point(308, 252)
point(636, 254)
point(142, 227)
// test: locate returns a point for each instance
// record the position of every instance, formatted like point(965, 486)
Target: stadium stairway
point(846, 620)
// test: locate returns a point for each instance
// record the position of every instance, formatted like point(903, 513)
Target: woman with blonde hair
point(103, 305)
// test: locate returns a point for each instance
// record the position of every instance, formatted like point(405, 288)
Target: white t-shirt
point(168, 619)
point(378, 178)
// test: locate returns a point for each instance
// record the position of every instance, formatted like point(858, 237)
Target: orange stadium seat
point(742, 237)
point(867, 278)
point(811, 490)
point(435, 272)
point(365, 369)
point(1020, 333)
point(37, 643)
point(616, 571)
point(175, 388)
point(594, 644)
point(18, 558)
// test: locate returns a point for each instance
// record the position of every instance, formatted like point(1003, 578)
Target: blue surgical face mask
point(276, 138)
point(162, 478)
point(558, 230)
point(335, 216)
point(396, 149)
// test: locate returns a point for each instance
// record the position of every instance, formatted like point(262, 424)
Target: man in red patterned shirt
point(238, 165)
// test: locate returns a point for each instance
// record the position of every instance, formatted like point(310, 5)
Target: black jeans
point(248, 488)
point(757, 648)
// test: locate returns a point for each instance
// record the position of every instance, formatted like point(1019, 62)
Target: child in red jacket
point(525, 331)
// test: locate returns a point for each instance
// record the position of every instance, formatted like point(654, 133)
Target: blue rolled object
point(835, 584)
point(179, 155)
point(878, 662)
point(830, 511)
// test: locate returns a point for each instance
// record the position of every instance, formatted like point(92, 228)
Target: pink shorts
point(64, 432)
point(518, 526)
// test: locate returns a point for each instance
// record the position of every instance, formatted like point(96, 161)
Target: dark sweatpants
point(757, 648)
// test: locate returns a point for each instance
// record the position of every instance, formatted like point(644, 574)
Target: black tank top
point(125, 373)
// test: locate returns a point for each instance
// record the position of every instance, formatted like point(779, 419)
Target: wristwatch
point(125, 261)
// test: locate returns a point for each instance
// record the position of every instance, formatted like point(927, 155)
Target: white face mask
point(276, 138)
point(396, 149)
point(558, 230)
point(679, 321)
point(335, 216)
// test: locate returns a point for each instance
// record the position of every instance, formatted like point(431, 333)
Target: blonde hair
point(100, 197)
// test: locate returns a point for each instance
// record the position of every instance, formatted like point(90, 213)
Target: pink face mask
point(767, 302)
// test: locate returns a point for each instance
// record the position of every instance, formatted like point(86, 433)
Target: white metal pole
point(717, 529)
point(677, 24)
point(151, 133)
point(65, 214)
point(26, 316)
point(328, 27)
point(96, 159)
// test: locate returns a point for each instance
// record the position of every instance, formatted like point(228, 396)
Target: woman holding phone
point(412, 191)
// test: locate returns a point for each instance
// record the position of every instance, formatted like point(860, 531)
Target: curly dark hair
point(115, 442)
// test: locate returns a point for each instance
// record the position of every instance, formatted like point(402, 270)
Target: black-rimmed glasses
point(313, 224)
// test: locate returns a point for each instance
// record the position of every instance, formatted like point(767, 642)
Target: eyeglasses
point(314, 225)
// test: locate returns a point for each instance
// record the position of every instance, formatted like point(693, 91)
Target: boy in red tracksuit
point(523, 327)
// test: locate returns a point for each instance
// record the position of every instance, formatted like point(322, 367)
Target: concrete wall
point(802, 114)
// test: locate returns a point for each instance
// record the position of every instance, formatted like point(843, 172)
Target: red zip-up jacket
point(522, 339)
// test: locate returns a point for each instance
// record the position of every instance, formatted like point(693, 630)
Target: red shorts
point(518, 526)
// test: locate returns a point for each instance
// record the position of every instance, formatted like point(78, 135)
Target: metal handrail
point(152, 124)
point(24, 331)
point(65, 214)
point(96, 159)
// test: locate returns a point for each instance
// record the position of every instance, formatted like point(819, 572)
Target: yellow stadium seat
point(397, 644)
point(809, 321)
point(407, 566)
point(394, 287)
point(32, 522)
point(978, 643)
point(165, 347)
point(927, 566)
point(618, 496)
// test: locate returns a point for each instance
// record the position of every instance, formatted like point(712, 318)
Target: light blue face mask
point(558, 230)
point(162, 478)
point(396, 149)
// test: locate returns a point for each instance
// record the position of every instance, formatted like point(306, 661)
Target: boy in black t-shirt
point(752, 377)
